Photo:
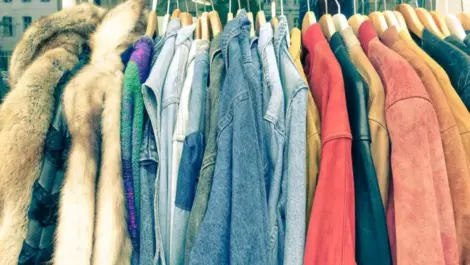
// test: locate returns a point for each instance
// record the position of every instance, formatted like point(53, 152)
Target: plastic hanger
point(356, 20)
point(274, 20)
point(390, 18)
point(309, 18)
point(402, 22)
point(185, 17)
point(427, 21)
point(249, 14)
point(326, 23)
point(152, 23)
point(339, 19)
point(378, 21)
point(412, 21)
point(260, 18)
point(214, 20)
point(453, 23)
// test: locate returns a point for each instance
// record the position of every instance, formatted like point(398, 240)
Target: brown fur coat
point(92, 228)
point(50, 46)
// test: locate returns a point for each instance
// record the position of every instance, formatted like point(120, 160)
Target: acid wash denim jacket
point(150, 169)
point(274, 137)
point(236, 233)
point(294, 185)
point(198, 211)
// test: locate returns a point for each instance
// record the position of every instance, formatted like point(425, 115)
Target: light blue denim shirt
point(274, 136)
point(234, 229)
point(169, 107)
point(152, 92)
point(192, 148)
point(199, 88)
point(294, 185)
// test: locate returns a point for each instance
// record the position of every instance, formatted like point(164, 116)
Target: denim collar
point(238, 26)
point(281, 37)
point(173, 27)
point(202, 46)
point(215, 48)
point(185, 33)
point(266, 35)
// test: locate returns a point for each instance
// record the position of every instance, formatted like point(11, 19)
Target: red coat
point(331, 231)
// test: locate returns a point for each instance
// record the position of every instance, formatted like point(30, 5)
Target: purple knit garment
point(135, 74)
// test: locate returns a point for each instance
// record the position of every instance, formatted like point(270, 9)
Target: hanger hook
point(168, 7)
point(326, 7)
point(248, 5)
point(308, 5)
point(416, 2)
point(375, 3)
point(178, 4)
point(339, 6)
point(197, 13)
point(154, 5)
point(239, 5)
point(385, 5)
point(363, 8)
point(212, 4)
point(259, 5)
point(230, 6)
point(355, 7)
point(186, 3)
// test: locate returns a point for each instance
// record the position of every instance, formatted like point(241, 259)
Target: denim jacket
point(217, 76)
point(294, 185)
point(169, 107)
point(234, 229)
point(274, 136)
point(152, 92)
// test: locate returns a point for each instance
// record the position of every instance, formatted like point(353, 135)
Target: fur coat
point(49, 47)
point(92, 227)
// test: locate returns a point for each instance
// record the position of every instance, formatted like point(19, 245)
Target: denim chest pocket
point(227, 118)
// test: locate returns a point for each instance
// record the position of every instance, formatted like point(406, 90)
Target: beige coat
point(49, 47)
point(92, 226)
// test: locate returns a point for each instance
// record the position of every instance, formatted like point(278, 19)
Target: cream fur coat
point(50, 46)
point(92, 228)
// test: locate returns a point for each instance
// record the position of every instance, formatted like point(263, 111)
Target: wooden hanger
point(249, 14)
point(185, 17)
point(205, 27)
point(326, 23)
point(152, 24)
point(215, 23)
point(197, 29)
point(391, 19)
point(274, 21)
point(309, 19)
point(355, 21)
point(176, 13)
point(440, 22)
point(412, 21)
point(260, 20)
point(402, 22)
point(339, 19)
point(464, 20)
point(428, 22)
